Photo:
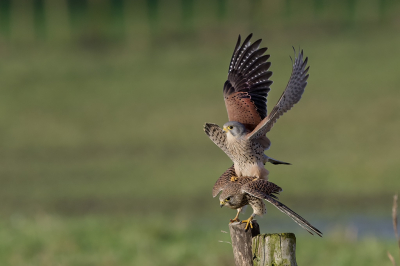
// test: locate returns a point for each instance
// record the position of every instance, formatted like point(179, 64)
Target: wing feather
point(223, 180)
point(259, 188)
point(259, 59)
point(248, 84)
point(292, 95)
point(240, 52)
point(218, 136)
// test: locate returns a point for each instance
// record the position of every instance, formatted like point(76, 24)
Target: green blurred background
point(103, 158)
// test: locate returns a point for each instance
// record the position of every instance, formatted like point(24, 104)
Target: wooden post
point(241, 242)
point(250, 248)
point(274, 249)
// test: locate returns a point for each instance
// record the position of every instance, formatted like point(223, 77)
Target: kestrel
point(243, 138)
point(247, 191)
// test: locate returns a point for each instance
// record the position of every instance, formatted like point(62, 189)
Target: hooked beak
point(225, 129)
point(221, 203)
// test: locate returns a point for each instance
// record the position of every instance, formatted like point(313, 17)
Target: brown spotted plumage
point(248, 191)
point(247, 87)
point(223, 180)
point(243, 138)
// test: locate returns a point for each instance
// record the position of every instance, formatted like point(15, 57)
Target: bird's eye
point(228, 198)
point(230, 127)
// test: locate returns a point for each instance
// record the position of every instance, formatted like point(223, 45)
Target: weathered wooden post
point(251, 248)
point(242, 242)
point(274, 250)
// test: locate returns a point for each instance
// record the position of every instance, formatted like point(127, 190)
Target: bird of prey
point(243, 138)
point(247, 191)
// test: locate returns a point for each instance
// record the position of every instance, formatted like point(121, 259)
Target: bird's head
point(230, 199)
point(235, 128)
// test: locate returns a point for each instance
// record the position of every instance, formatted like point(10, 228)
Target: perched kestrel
point(247, 191)
point(243, 138)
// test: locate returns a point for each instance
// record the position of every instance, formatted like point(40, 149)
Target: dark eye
point(228, 198)
point(230, 127)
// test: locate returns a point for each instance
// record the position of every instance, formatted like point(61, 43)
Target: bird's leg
point(248, 222)
point(236, 219)
point(234, 178)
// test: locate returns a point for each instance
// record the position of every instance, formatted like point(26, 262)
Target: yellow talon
point(234, 178)
point(248, 222)
point(234, 220)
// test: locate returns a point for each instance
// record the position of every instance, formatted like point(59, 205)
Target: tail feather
point(297, 218)
point(273, 161)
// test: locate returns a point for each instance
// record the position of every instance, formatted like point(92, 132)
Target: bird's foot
point(248, 222)
point(234, 178)
point(234, 220)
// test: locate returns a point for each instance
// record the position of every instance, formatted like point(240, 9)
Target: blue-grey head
point(235, 128)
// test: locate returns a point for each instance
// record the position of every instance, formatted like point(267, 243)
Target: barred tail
point(297, 218)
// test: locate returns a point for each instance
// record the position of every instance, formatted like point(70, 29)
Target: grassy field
point(51, 240)
point(103, 159)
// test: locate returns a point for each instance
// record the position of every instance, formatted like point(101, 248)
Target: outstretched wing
point(262, 189)
point(218, 136)
point(223, 180)
point(292, 95)
point(248, 84)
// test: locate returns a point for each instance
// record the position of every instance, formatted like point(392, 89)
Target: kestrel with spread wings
point(243, 138)
point(247, 191)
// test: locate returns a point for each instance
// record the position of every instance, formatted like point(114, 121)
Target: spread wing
point(292, 95)
point(261, 189)
point(218, 136)
point(223, 180)
point(248, 84)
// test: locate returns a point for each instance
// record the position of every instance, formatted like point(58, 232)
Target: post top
point(285, 235)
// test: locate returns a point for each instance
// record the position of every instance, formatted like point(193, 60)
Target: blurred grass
point(103, 159)
point(88, 125)
point(48, 240)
